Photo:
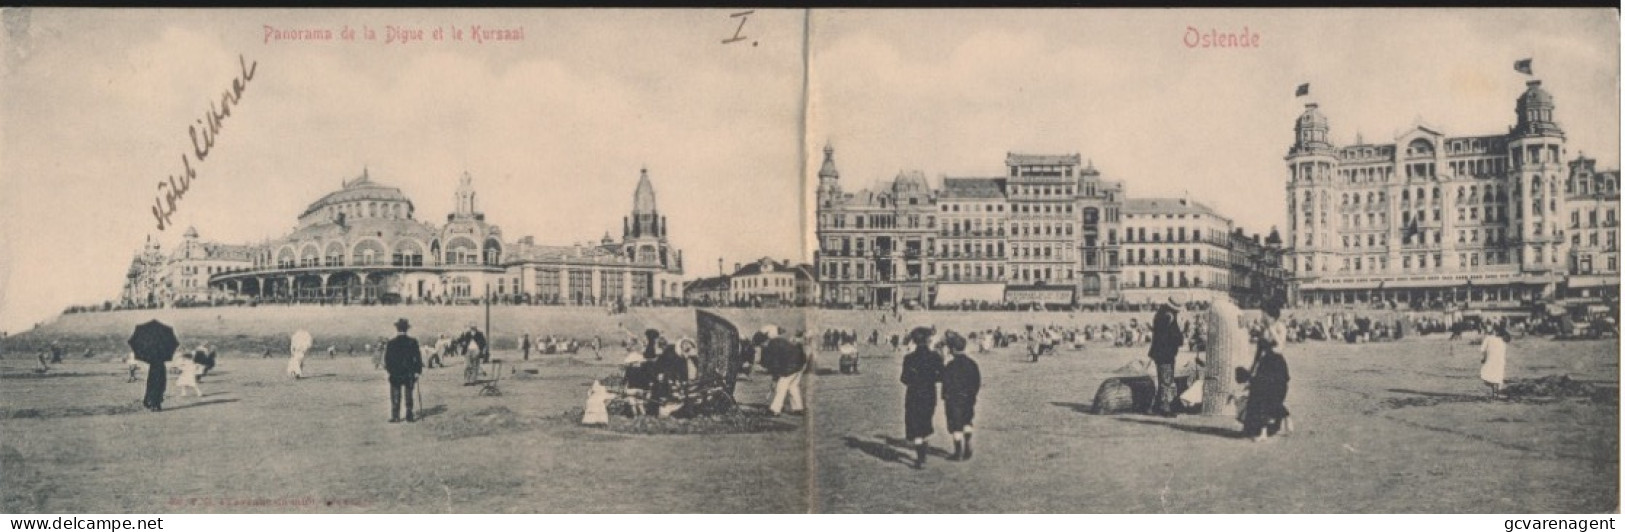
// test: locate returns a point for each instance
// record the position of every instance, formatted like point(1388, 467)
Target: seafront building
point(1432, 218)
point(1050, 231)
point(365, 242)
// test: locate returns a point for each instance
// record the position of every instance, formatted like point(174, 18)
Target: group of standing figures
point(1264, 412)
point(960, 379)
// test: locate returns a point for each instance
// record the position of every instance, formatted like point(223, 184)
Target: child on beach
point(188, 377)
point(136, 367)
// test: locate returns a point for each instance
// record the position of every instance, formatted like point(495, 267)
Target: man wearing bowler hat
point(403, 359)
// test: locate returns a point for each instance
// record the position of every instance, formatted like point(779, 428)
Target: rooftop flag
point(1303, 90)
point(1526, 66)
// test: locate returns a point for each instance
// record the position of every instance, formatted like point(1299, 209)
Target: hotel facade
point(1433, 218)
point(1049, 231)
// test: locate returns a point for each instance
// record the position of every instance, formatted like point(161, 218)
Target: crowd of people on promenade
point(1359, 328)
point(1039, 339)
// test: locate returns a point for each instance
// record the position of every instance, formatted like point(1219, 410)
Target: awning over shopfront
point(1056, 295)
point(1592, 281)
point(1444, 282)
point(948, 294)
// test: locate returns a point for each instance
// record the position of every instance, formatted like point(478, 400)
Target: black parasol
point(153, 342)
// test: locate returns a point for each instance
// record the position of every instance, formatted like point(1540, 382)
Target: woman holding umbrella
point(154, 343)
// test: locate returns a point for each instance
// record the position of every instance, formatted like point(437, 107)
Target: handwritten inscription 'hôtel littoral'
point(203, 134)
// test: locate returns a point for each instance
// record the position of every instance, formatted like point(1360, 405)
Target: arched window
point(334, 254)
point(493, 252)
point(462, 250)
point(1419, 148)
point(367, 252)
point(407, 253)
point(309, 256)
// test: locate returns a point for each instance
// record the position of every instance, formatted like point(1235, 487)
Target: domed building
point(365, 243)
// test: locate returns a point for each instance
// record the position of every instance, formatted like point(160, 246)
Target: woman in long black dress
point(922, 370)
point(1266, 399)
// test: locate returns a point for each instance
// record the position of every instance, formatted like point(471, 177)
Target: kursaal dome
point(360, 189)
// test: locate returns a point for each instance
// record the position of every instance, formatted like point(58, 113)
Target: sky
point(554, 128)
point(950, 92)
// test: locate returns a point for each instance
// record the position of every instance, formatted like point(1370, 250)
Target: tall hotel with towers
point(1433, 219)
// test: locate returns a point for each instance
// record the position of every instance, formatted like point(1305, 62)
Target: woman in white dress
point(1494, 362)
point(597, 409)
point(298, 345)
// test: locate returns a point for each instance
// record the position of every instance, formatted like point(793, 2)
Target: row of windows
point(371, 258)
point(972, 249)
point(1591, 218)
point(1159, 255)
point(206, 270)
point(756, 282)
point(878, 221)
point(1367, 174)
point(1041, 190)
point(957, 227)
point(1042, 251)
point(1587, 184)
point(1584, 265)
point(1023, 208)
point(1594, 240)
point(1177, 279)
point(973, 207)
point(1433, 261)
point(1537, 154)
point(991, 271)
point(1491, 236)
point(973, 272)
point(371, 209)
point(1159, 216)
point(1064, 170)
point(1167, 234)
point(1035, 274)
point(843, 246)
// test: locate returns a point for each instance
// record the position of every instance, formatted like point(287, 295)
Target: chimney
point(737, 266)
point(719, 267)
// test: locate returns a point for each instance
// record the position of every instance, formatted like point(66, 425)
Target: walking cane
point(418, 385)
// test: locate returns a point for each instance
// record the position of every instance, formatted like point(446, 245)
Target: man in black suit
point(785, 361)
point(403, 359)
